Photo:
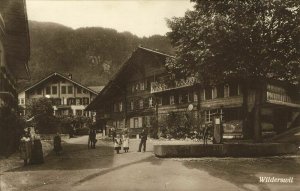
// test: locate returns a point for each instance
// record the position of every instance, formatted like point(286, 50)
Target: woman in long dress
point(25, 149)
point(37, 150)
point(57, 144)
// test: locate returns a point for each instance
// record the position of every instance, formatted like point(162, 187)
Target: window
point(39, 91)
point(48, 91)
point(79, 90)
point(56, 101)
point(115, 107)
point(131, 105)
point(120, 106)
point(142, 86)
point(84, 91)
point(220, 91)
point(85, 101)
point(70, 89)
point(137, 86)
point(208, 116)
point(226, 90)
point(208, 93)
point(71, 101)
point(195, 97)
point(22, 101)
point(172, 100)
point(54, 90)
point(150, 102)
point(159, 101)
point(63, 90)
point(136, 122)
point(190, 97)
point(233, 90)
point(86, 113)
point(214, 92)
point(78, 112)
point(141, 104)
point(78, 101)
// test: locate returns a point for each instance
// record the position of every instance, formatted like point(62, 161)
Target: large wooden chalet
point(141, 95)
point(68, 96)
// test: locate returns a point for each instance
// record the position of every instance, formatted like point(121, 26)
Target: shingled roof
point(56, 74)
point(109, 86)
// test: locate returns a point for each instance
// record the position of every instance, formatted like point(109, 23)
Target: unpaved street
point(80, 168)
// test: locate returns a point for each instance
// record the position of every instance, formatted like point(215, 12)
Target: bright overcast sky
point(140, 17)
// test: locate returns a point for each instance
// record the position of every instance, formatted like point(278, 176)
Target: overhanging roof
point(106, 89)
point(63, 77)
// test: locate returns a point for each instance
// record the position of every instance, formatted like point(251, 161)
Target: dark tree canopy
point(245, 39)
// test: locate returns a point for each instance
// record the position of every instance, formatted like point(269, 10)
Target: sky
point(140, 17)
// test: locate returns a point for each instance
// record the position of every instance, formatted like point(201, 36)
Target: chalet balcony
point(175, 84)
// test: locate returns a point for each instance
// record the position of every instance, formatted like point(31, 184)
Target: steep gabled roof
point(63, 77)
point(128, 62)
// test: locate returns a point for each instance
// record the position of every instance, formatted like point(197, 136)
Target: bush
point(177, 125)
point(11, 128)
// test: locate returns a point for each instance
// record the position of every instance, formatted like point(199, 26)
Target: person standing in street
point(25, 149)
point(143, 137)
point(118, 143)
point(114, 133)
point(57, 143)
point(126, 143)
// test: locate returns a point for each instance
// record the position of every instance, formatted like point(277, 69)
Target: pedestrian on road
point(143, 137)
point(118, 143)
point(92, 139)
point(37, 156)
point(25, 149)
point(114, 134)
point(126, 143)
point(57, 144)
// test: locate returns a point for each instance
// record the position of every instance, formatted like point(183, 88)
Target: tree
point(253, 41)
point(42, 111)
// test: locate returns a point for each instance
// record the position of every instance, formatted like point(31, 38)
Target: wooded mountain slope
point(91, 54)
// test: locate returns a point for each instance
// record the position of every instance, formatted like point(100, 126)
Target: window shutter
point(140, 122)
point(146, 102)
point(131, 123)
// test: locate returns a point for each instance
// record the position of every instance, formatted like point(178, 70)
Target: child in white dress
point(126, 143)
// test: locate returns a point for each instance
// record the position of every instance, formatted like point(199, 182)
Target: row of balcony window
point(208, 93)
point(53, 90)
point(61, 101)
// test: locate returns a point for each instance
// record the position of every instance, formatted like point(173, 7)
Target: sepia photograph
point(149, 95)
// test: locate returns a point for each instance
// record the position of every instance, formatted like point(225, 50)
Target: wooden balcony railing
point(164, 86)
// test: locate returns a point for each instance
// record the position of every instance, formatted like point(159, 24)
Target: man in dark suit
point(143, 137)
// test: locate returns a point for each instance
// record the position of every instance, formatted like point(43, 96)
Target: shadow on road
point(75, 157)
point(241, 171)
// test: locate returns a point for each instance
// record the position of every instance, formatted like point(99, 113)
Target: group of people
point(119, 142)
point(31, 150)
point(124, 142)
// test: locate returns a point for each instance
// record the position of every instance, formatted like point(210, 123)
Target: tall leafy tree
point(42, 111)
point(250, 40)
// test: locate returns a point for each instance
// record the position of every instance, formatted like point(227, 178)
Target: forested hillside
point(91, 54)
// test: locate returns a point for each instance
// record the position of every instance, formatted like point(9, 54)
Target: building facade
point(14, 49)
point(143, 94)
point(68, 97)
point(14, 56)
